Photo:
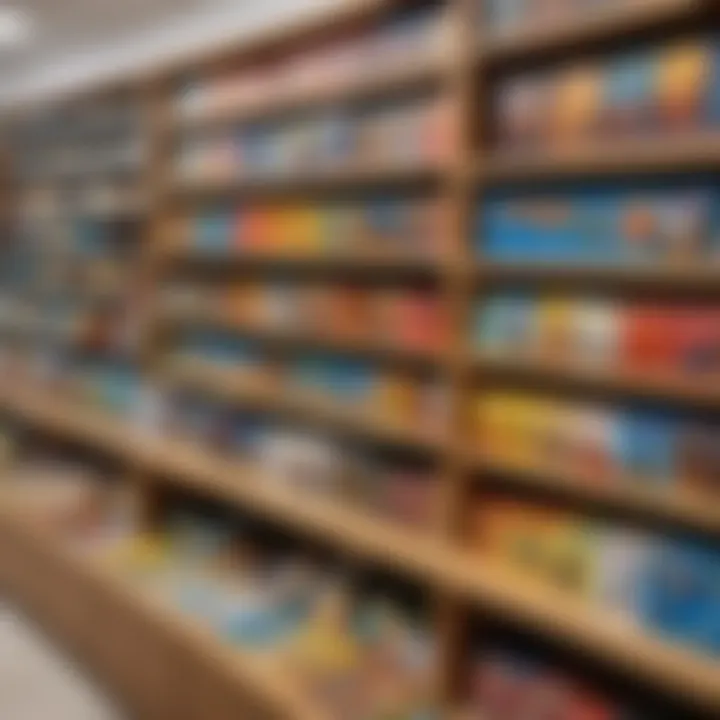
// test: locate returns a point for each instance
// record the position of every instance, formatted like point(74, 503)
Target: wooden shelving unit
point(429, 560)
point(435, 558)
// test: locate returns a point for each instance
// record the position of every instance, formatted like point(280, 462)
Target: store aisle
point(37, 683)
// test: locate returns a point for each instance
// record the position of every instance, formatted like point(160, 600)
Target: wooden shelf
point(262, 678)
point(465, 76)
point(597, 27)
point(315, 182)
point(691, 279)
point(702, 392)
point(629, 495)
point(696, 151)
point(205, 377)
point(364, 347)
point(81, 424)
point(355, 263)
point(620, 644)
point(413, 77)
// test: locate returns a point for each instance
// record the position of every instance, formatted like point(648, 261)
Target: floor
point(38, 683)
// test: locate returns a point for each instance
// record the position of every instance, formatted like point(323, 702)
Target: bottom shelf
point(624, 646)
point(159, 663)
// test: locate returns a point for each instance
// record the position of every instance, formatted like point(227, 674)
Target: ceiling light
point(14, 26)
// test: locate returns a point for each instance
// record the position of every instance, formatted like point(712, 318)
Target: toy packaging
point(600, 226)
point(666, 89)
point(698, 459)
point(672, 339)
point(597, 330)
point(629, 103)
point(685, 87)
point(386, 226)
point(599, 444)
point(681, 596)
point(508, 684)
point(649, 448)
point(326, 141)
point(504, 325)
point(523, 108)
point(576, 107)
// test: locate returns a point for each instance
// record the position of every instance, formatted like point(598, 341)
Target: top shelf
point(417, 76)
point(604, 27)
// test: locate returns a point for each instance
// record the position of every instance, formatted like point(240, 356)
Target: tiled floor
point(37, 683)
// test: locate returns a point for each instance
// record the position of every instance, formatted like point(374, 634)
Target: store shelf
point(691, 278)
point(285, 338)
point(698, 392)
point(409, 78)
point(617, 642)
point(611, 638)
point(263, 678)
point(311, 262)
point(273, 397)
point(693, 152)
point(596, 27)
point(641, 498)
point(67, 419)
point(433, 558)
point(373, 176)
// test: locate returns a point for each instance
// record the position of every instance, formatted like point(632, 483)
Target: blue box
point(648, 447)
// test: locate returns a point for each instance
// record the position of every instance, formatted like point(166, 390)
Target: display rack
point(435, 558)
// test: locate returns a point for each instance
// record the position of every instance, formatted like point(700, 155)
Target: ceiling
point(77, 41)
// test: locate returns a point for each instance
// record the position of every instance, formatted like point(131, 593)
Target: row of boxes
point(388, 395)
point(402, 319)
point(605, 225)
point(384, 227)
point(510, 684)
point(305, 461)
point(393, 136)
point(667, 90)
point(669, 586)
point(600, 444)
point(667, 339)
point(407, 39)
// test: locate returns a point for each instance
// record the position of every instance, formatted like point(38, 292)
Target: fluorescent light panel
point(14, 26)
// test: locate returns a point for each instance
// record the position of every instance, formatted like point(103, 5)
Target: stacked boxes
point(661, 338)
point(600, 444)
point(667, 90)
point(670, 586)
